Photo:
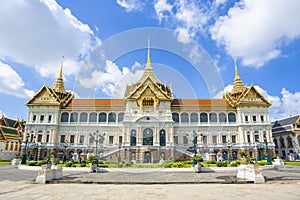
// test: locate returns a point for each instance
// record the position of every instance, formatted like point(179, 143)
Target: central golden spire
point(148, 65)
point(238, 85)
point(58, 85)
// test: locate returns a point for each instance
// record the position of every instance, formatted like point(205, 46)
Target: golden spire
point(58, 85)
point(148, 65)
point(238, 85)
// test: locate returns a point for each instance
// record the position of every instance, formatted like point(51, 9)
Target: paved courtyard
point(282, 182)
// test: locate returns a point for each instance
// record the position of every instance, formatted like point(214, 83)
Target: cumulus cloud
point(131, 5)
point(113, 80)
point(11, 83)
point(38, 33)
point(256, 30)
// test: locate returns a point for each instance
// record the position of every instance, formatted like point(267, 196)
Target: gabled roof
point(286, 121)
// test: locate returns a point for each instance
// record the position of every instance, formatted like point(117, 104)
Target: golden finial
point(148, 65)
point(61, 66)
point(235, 67)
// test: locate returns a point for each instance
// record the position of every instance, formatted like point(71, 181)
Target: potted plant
point(197, 160)
point(16, 160)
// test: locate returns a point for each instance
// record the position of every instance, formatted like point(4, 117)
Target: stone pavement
point(282, 182)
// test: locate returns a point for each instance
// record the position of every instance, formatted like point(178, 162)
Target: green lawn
point(295, 163)
point(5, 162)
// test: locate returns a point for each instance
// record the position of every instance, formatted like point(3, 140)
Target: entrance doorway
point(147, 157)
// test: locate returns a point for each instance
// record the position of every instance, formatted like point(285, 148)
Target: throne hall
point(148, 125)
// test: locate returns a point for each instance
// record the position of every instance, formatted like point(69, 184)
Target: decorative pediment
point(44, 97)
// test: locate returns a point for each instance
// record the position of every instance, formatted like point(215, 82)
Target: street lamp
point(98, 138)
point(195, 147)
point(24, 149)
point(258, 152)
point(119, 156)
point(35, 147)
point(296, 149)
point(65, 145)
point(269, 160)
point(229, 145)
point(174, 148)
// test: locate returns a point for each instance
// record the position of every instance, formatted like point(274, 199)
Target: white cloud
point(38, 33)
point(11, 83)
point(163, 9)
point(256, 30)
point(219, 2)
point(112, 81)
point(131, 5)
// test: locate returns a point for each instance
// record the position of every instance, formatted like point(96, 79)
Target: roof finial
point(148, 58)
point(235, 68)
point(61, 66)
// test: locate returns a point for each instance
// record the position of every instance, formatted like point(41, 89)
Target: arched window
point(231, 117)
point(133, 138)
point(203, 117)
point(83, 117)
point(93, 117)
point(222, 117)
point(184, 117)
point(282, 145)
point(148, 136)
point(289, 142)
point(162, 156)
point(102, 117)
point(185, 140)
point(112, 117)
point(120, 117)
point(213, 117)
point(194, 117)
point(162, 137)
point(175, 117)
point(74, 117)
point(64, 117)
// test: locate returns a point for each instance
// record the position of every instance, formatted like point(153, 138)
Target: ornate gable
point(44, 97)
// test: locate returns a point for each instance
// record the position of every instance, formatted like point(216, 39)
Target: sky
point(103, 47)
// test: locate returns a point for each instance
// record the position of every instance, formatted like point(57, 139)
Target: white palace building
point(148, 125)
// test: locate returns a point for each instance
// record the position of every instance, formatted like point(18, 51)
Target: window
point(111, 139)
point(233, 139)
point(231, 117)
point(42, 117)
point(214, 139)
point(39, 139)
point(248, 138)
point(72, 137)
point(74, 117)
point(222, 118)
point(194, 117)
point(224, 141)
point(204, 139)
point(64, 117)
point(185, 140)
point(33, 118)
point(203, 117)
point(102, 117)
point(93, 117)
point(262, 118)
point(133, 137)
point(162, 137)
point(175, 117)
point(62, 139)
point(120, 139)
point(184, 117)
point(47, 138)
point(112, 117)
point(120, 117)
point(213, 117)
point(83, 117)
point(81, 139)
point(49, 118)
point(254, 118)
point(256, 138)
point(246, 118)
point(289, 142)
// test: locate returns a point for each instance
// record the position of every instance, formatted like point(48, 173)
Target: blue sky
point(104, 44)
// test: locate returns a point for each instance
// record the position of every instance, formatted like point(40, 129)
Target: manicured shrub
point(222, 164)
point(73, 165)
point(263, 162)
point(32, 163)
point(210, 162)
point(83, 165)
point(103, 165)
point(69, 164)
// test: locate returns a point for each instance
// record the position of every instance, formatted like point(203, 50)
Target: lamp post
point(229, 145)
point(98, 138)
point(296, 149)
point(195, 147)
point(65, 145)
point(35, 147)
point(174, 149)
point(24, 149)
point(269, 160)
point(258, 153)
point(119, 156)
